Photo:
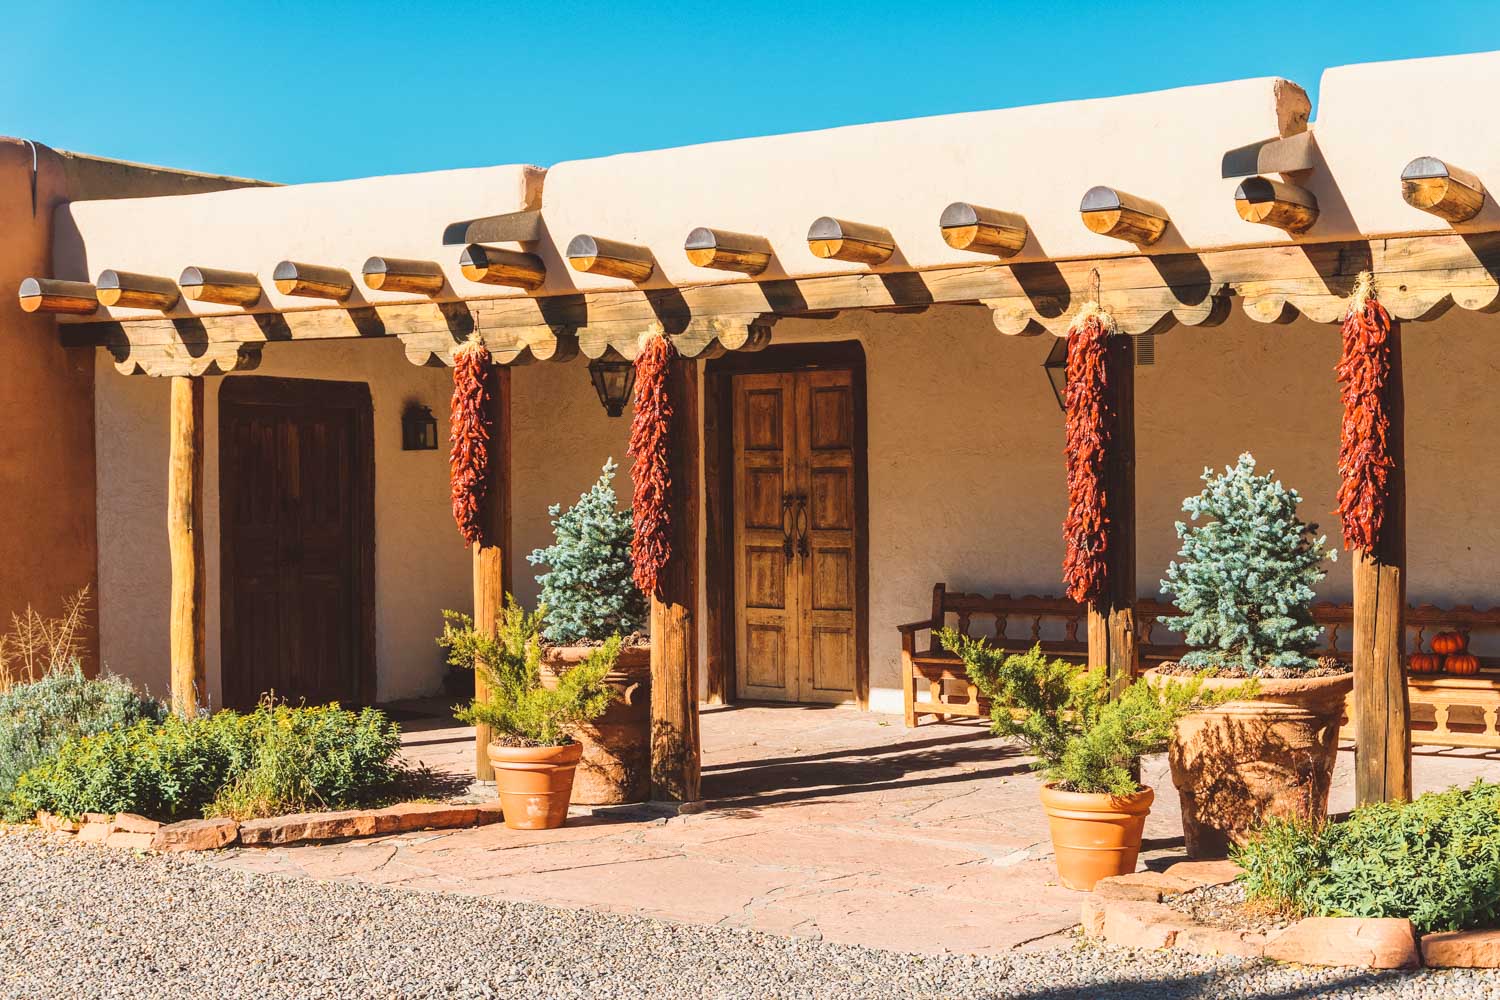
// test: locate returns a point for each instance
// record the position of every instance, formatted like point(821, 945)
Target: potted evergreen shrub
point(535, 751)
point(1087, 746)
point(1244, 586)
point(590, 597)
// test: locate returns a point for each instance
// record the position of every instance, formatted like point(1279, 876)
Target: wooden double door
point(296, 478)
point(796, 536)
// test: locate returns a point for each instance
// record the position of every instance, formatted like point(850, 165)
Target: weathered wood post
point(1382, 712)
point(185, 542)
point(675, 753)
point(492, 555)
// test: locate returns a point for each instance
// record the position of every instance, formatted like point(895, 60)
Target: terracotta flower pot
point(1095, 835)
point(535, 783)
point(1246, 761)
point(616, 764)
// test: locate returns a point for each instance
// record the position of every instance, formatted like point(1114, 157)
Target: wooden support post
point(1112, 634)
point(1382, 713)
point(675, 754)
point(492, 556)
point(185, 541)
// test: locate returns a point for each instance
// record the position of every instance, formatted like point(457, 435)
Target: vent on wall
point(1145, 349)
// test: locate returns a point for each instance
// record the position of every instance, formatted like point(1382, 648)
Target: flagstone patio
point(825, 822)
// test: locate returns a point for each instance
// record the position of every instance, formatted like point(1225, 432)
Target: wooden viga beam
point(595, 255)
point(396, 274)
point(727, 251)
point(839, 239)
point(53, 295)
point(502, 267)
point(983, 230)
point(1442, 189)
point(1288, 207)
point(136, 291)
point(1112, 212)
point(312, 281)
point(229, 288)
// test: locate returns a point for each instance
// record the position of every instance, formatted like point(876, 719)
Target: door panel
point(795, 531)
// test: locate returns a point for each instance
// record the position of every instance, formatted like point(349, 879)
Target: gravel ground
point(85, 922)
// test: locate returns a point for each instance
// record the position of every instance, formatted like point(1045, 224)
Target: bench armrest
point(912, 627)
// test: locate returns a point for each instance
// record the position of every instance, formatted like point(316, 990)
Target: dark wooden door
point(295, 490)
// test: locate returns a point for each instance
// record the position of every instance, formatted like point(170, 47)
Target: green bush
point(516, 704)
point(276, 759)
point(38, 717)
point(1435, 861)
point(1062, 712)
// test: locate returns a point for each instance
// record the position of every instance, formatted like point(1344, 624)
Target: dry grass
point(36, 646)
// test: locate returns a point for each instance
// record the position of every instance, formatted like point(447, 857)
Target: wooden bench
point(1446, 710)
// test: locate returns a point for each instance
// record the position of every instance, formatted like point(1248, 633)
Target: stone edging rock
point(139, 833)
point(1127, 910)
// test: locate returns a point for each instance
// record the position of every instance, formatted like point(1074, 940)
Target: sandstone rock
point(1204, 940)
point(1462, 949)
point(1093, 917)
point(196, 835)
point(1365, 942)
point(308, 826)
point(407, 816)
point(1137, 924)
point(1150, 887)
point(129, 840)
point(94, 833)
point(55, 824)
point(106, 818)
point(1206, 873)
point(131, 823)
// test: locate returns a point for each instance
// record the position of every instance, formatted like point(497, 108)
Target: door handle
point(786, 527)
point(802, 547)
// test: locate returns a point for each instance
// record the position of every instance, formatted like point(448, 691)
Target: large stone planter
point(1095, 835)
point(1246, 761)
point(616, 763)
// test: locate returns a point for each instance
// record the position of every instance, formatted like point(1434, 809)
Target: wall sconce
point(613, 381)
point(1142, 349)
point(418, 428)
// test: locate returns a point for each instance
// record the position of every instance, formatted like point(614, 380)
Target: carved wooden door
point(795, 566)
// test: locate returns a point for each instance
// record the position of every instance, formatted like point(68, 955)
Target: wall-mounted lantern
point(1056, 367)
point(418, 428)
point(613, 381)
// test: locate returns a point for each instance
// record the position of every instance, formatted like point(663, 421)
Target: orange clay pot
point(535, 783)
point(1095, 835)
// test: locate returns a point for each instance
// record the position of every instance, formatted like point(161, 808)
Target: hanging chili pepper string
point(469, 433)
point(1364, 375)
point(650, 447)
point(1091, 419)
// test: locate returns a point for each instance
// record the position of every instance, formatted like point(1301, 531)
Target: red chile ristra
point(1091, 419)
point(650, 446)
point(1365, 462)
point(469, 432)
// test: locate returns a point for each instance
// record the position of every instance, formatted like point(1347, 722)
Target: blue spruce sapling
point(1244, 582)
point(587, 590)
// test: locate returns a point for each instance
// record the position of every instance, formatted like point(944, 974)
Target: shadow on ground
point(1207, 986)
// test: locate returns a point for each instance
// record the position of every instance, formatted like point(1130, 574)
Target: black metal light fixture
point(613, 380)
point(1056, 367)
point(418, 428)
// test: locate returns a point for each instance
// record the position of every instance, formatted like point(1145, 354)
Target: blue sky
point(318, 91)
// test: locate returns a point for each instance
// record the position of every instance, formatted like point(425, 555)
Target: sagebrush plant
point(37, 646)
point(587, 589)
point(1062, 712)
point(277, 759)
point(1245, 575)
point(516, 704)
point(37, 717)
point(1435, 861)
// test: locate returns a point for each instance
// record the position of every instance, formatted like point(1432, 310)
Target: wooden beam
point(1442, 189)
point(593, 255)
point(492, 555)
point(1111, 212)
point(1275, 203)
point(187, 643)
point(502, 267)
point(983, 230)
point(229, 288)
point(839, 239)
point(675, 750)
point(136, 291)
point(1382, 711)
point(1111, 619)
point(312, 281)
point(53, 295)
point(510, 227)
point(727, 251)
point(396, 274)
point(718, 554)
point(1287, 155)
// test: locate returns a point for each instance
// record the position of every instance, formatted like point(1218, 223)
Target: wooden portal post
point(492, 557)
point(675, 753)
point(1111, 620)
point(1382, 713)
point(185, 541)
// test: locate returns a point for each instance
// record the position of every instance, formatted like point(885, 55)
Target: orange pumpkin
point(1424, 663)
point(1449, 642)
point(1461, 663)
